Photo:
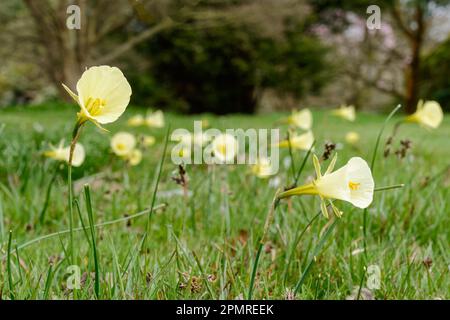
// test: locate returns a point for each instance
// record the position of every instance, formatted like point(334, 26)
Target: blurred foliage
point(225, 68)
point(435, 72)
point(224, 56)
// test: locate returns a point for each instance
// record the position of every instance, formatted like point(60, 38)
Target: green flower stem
point(291, 155)
point(75, 137)
point(300, 170)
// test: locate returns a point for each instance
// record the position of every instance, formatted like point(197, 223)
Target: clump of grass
point(206, 246)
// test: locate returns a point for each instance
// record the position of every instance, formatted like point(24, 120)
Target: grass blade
point(98, 225)
point(8, 268)
point(47, 196)
point(305, 159)
point(255, 268)
point(87, 195)
point(48, 282)
point(315, 253)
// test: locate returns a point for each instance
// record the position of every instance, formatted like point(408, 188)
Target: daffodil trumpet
point(103, 94)
point(428, 114)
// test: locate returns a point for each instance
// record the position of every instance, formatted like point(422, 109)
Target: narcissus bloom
point(61, 153)
point(302, 142)
point(301, 119)
point(225, 147)
point(122, 143)
point(148, 141)
point(352, 137)
point(134, 157)
point(103, 95)
point(136, 121)
point(345, 112)
point(155, 119)
point(429, 114)
point(263, 168)
point(205, 123)
point(352, 183)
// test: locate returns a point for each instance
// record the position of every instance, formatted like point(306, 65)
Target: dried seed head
point(329, 148)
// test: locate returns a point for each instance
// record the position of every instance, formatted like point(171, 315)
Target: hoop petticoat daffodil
point(302, 142)
point(134, 157)
point(122, 143)
point(103, 95)
point(225, 147)
point(148, 141)
point(263, 168)
point(352, 183)
point(62, 153)
point(428, 114)
point(301, 119)
point(136, 121)
point(352, 137)
point(345, 112)
point(155, 119)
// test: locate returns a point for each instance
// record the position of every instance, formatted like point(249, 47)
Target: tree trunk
point(413, 79)
point(413, 72)
point(415, 39)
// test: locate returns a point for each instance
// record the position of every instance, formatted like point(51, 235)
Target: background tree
point(436, 70)
point(226, 68)
point(411, 19)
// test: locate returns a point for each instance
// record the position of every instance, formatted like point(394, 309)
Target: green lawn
point(204, 246)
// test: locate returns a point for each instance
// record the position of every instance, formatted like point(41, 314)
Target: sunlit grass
point(204, 245)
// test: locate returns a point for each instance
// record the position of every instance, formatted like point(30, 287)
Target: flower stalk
point(75, 137)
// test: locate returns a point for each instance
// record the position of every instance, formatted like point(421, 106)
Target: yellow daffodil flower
point(148, 141)
point(136, 121)
point(302, 142)
point(345, 112)
point(352, 183)
point(134, 157)
point(205, 123)
point(263, 168)
point(103, 95)
point(225, 147)
point(122, 143)
point(61, 153)
point(301, 119)
point(155, 119)
point(352, 137)
point(429, 114)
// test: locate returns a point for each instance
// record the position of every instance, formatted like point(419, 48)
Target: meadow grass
point(204, 245)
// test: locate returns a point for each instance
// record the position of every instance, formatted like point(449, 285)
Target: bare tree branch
point(141, 37)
